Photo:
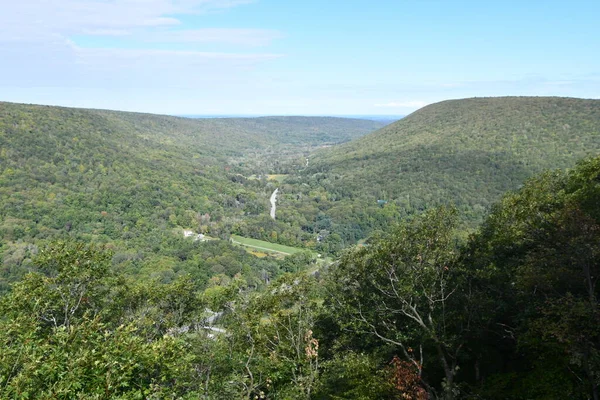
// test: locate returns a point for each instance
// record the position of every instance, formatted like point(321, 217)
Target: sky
point(289, 57)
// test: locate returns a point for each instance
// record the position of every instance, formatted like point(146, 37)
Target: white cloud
point(27, 20)
point(246, 37)
point(148, 59)
point(106, 32)
point(559, 83)
point(38, 49)
point(451, 85)
point(66, 65)
point(403, 104)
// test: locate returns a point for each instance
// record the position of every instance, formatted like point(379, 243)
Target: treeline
point(418, 313)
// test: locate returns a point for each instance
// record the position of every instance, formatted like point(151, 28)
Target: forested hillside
point(135, 181)
point(510, 314)
point(513, 314)
point(464, 152)
point(330, 206)
point(103, 297)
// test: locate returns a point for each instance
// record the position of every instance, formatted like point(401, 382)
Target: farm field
point(277, 177)
point(264, 246)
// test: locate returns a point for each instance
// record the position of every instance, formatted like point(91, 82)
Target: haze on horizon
point(268, 57)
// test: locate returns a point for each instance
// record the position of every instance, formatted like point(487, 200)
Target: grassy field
point(271, 177)
point(277, 177)
point(265, 246)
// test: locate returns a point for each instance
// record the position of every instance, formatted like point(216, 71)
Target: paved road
point(273, 203)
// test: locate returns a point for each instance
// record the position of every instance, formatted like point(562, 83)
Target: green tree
point(76, 330)
point(401, 289)
point(533, 269)
point(272, 351)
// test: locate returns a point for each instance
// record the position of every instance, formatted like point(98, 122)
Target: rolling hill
point(467, 152)
point(130, 179)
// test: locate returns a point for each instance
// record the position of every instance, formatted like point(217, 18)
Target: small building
point(197, 236)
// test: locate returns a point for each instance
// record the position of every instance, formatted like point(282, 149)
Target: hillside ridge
point(465, 152)
point(135, 181)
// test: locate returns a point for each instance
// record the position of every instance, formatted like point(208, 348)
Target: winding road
point(273, 203)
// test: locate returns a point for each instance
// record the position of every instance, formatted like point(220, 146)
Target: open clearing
point(277, 177)
point(266, 246)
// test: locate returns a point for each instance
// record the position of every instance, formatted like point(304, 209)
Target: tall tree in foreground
point(272, 353)
point(535, 265)
point(402, 290)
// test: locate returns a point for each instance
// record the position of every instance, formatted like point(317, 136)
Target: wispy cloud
point(117, 57)
point(245, 37)
point(132, 44)
point(68, 65)
point(27, 20)
point(106, 32)
point(559, 83)
point(451, 85)
point(403, 104)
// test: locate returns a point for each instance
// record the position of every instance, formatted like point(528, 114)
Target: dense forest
point(463, 152)
point(135, 181)
point(475, 278)
point(510, 313)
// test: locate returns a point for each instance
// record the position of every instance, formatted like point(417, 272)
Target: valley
point(127, 180)
point(297, 240)
point(467, 153)
point(299, 200)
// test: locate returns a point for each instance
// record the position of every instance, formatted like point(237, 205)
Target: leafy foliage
point(465, 153)
point(75, 332)
point(400, 289)
point(135, 181)
point(419, 311)
point(537, 258)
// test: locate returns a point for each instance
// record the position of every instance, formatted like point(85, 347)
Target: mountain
point(467, 152)
point(130, 179)
point(239, 134)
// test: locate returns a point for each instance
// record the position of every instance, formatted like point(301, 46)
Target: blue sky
point(337, 57)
